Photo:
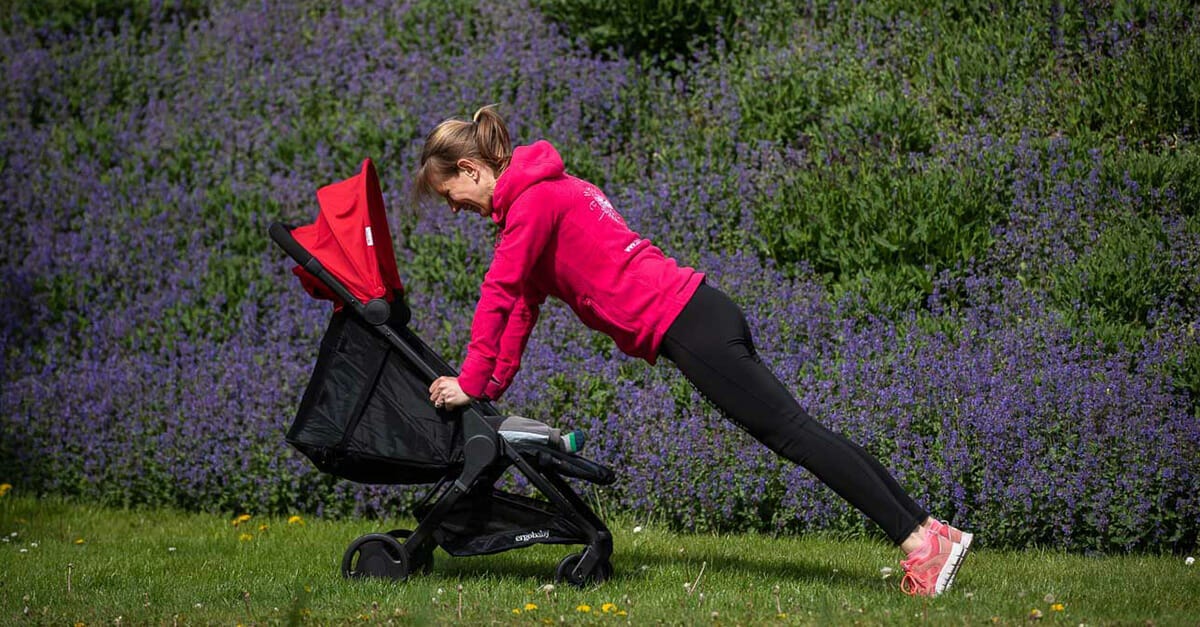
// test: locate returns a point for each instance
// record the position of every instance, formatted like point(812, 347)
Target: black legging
point(710, 342)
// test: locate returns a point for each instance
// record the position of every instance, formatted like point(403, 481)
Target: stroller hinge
point(480, 450)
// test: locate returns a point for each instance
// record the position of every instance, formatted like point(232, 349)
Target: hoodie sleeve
point(527, 230)
point(513, 342)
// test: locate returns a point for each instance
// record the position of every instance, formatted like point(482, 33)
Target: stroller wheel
point(423, 560)
point(376, 555)
point(566, 571)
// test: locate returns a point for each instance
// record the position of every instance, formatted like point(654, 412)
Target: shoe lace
point(910, 585)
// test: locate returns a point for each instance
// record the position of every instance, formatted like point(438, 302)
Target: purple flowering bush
point(945, 246)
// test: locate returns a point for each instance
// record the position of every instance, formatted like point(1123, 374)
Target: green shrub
point(885, 226)
point(1146, 94)
point(1175, 172)
point(78, 14)
point(1124, 274)
point(659, 29)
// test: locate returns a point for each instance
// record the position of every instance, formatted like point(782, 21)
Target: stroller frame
point(486, 456)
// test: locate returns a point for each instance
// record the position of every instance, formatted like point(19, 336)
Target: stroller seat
point(366, 416)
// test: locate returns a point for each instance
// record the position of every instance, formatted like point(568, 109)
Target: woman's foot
point(930, 570)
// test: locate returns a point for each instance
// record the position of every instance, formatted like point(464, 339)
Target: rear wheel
point(376, 555)
point(602, 572)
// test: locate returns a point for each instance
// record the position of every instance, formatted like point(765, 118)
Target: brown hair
point(484, 138)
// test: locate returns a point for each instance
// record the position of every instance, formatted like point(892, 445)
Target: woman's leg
point(711, 344)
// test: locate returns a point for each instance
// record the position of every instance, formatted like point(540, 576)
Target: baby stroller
point(366, 415)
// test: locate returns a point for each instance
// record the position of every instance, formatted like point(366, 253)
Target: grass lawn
point(63, 563)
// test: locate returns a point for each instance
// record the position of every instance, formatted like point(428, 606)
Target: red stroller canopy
point(351, 239)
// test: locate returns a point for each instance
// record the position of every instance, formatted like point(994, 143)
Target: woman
point(559, 236)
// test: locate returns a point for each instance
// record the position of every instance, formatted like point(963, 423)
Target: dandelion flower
point(78, 540)
point(240, 519)
point(529, 607)
point(1058, 607)
point(608, 608)
point(4, 488)
point(584, 608)
point(637, 529)
point(245, 537)
point(622, 613)
point(516, 610)
point(262, 528)
point(1035, 613)
point(295, 520)
point(1189, 561)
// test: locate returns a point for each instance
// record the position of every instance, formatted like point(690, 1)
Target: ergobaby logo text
point(533, 535)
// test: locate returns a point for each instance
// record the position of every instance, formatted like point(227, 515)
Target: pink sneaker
point(930, 570)
point(954, 535)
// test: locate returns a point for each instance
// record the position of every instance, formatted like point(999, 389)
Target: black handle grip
point(282, 234)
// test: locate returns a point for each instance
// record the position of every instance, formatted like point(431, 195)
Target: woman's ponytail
point(485, 139)
point(491, 138)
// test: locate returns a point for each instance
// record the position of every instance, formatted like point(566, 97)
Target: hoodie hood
point(529, 165)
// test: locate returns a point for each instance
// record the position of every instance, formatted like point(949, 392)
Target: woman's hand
point(445, 392)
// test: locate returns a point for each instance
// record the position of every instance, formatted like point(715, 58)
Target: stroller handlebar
point(282, 234)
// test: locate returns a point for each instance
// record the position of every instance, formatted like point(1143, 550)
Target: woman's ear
point(468, 166)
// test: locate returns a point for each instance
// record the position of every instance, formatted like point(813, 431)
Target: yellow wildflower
point(622, 613)
point(240, 519)
point(263, 527)
point(608, 608)
point(1058, 607)
point(295, 520)
point(584, 608)
point(78, 540)
point(516, 610)
point(1035, 613)
point(529, 607)
point(245, 537)
point(4, 488)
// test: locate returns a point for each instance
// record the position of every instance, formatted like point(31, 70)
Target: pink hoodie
point(559, 236)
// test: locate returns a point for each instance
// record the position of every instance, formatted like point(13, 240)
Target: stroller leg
point(594, 563)
point(480, 451)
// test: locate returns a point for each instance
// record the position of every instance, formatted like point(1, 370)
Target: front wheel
point(602, 572)
point(376, 555)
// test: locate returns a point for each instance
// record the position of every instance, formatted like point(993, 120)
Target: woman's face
point(470, 189)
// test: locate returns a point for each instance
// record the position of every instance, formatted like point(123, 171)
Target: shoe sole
point(958, 552)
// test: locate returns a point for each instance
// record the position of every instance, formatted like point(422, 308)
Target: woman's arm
point(513, 342)
point(527, 230)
